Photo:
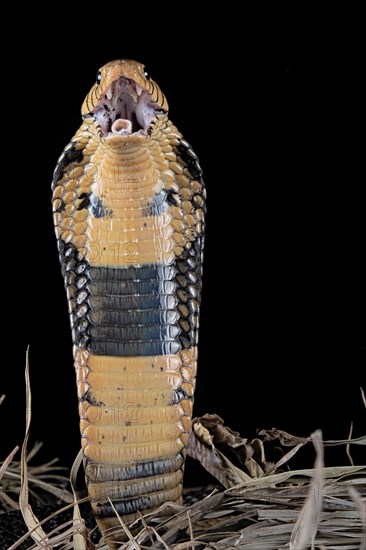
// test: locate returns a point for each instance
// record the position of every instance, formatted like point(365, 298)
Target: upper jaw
point(125, 109)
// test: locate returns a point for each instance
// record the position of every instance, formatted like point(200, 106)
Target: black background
point(272, 107)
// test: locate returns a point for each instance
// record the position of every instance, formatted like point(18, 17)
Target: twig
point(348, 447)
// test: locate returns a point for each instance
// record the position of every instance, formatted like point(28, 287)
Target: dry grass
point(262, 507)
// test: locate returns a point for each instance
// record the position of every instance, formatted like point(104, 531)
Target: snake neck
point(121, 171)
point(126, 185)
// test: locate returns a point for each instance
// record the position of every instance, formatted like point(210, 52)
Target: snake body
point(128, 207)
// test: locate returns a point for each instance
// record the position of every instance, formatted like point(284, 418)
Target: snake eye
point(99, 77)
point(146, 75)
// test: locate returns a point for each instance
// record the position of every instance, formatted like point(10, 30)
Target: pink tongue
point(122, 126)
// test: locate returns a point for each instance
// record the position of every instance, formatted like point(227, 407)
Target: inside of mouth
point(124, 109)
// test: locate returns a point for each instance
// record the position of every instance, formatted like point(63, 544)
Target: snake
point(129, 204)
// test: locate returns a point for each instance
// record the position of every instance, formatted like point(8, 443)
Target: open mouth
point(125, 109)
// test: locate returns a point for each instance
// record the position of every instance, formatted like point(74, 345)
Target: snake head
point(124, 100)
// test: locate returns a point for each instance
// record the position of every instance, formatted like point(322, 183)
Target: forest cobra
point(129, 206)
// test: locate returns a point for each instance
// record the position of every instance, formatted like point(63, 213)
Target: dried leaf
point(307, 523)
point(30, 519)
point(221, 435)
point(348, 448)
point(355, 441)
point(210, 431)
point(253, 468)
point(258, 448)
point(125, 528)
point(36, 477)
point(8, 500)
point(285, 458)
point(7, 461)
point(361, 506)
point(295, 476)
point(285, 438)
point(203, 434)
point(363, 396)
point(80, 535)
point(289, 440)
point(215, 462)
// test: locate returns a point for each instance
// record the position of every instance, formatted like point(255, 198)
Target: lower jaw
point(136, 137)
